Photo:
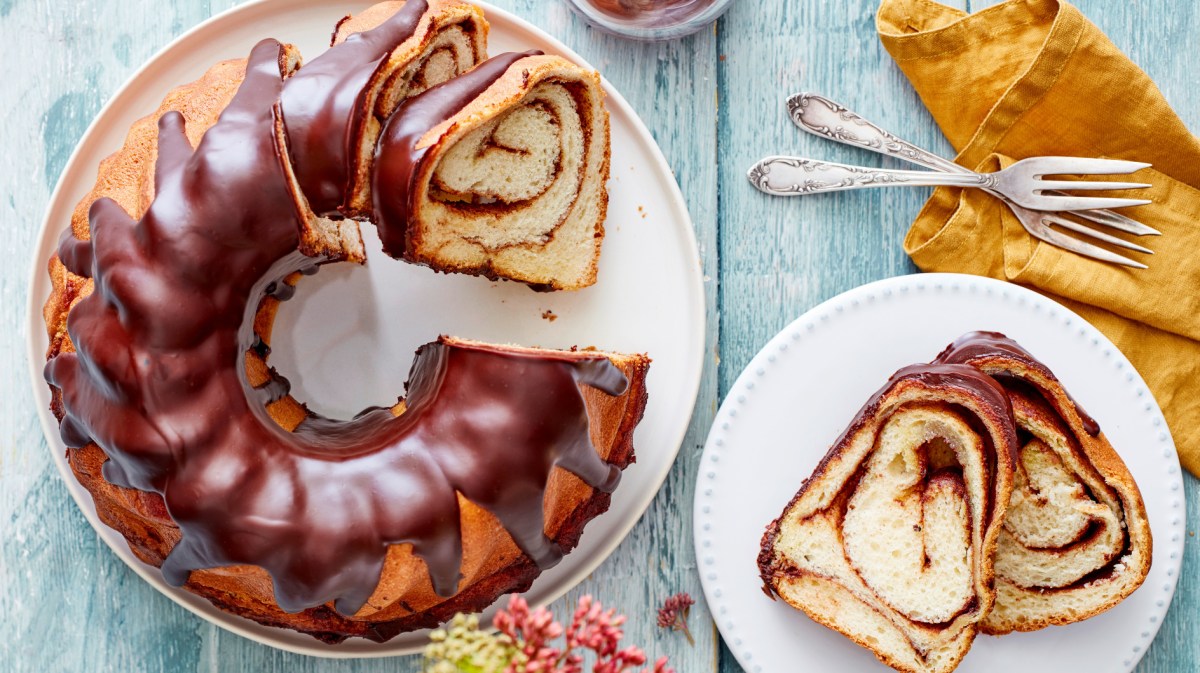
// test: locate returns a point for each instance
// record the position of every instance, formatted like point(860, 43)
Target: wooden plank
point(72, 605)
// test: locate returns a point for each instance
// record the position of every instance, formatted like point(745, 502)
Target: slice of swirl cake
point(1076, 540)
point(511, 185)
point(891, 540)
point(333, 108)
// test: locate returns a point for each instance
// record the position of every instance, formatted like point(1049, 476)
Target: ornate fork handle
point(831, 120)
point(820, 116)
point(793, 176)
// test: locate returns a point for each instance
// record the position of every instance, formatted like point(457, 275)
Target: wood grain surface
point(714, 103)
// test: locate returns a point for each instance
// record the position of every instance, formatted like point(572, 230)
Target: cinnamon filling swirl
point(907, 526)
point(1064, 523)
point(514, 180)
point(511, 184)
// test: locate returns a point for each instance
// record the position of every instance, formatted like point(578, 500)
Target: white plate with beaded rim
point(346, 311)
point(797, 395)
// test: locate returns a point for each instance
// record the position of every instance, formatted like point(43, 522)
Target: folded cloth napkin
point(1034, 77)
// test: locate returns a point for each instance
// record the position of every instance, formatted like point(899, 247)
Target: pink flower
point(592, 628)
point(674, 613)
point(660, 666)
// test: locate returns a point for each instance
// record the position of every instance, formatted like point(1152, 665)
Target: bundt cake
point(166, 286)
point(891, 540)
point(1076, 539)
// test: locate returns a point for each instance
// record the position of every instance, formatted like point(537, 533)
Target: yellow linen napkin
point(1034, 77)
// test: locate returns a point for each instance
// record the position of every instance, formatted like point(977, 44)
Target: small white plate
point(347, 340)
point(801, 390)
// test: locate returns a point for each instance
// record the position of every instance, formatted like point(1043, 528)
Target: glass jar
point(650, 19)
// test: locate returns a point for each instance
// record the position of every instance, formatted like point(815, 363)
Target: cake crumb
point(549, 315)
point(642, 210)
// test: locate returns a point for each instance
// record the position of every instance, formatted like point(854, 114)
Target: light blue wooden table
point(713, 101)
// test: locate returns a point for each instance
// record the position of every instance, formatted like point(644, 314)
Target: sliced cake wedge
point(891, 540)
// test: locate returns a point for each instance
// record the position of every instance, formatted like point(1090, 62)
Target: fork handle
point(794, 176)
point(833, 121)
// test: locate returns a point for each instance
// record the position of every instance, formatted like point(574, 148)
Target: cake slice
point(1076, 540)
point(891, 540)
point(509, 181)
point(332, 108)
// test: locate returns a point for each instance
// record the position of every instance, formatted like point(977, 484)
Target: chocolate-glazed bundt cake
point(168, 281)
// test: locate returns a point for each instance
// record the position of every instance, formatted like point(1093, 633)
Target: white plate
point(355, 329)
point(801, 390)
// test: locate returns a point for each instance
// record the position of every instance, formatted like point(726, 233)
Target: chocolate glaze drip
point(260, 347)
point(75, 254)
point(276, 388)
point(157, 340)
point(981, 345)
point(965, 378)
point(324, 107)
point(398, 160)
point(158, 382)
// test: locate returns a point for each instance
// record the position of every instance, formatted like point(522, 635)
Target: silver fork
point(1021, 182)
point(828, 119)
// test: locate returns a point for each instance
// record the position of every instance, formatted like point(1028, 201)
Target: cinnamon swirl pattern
point(1076, 540)
point(334, 107)
point(512, 185)
point(891, 541)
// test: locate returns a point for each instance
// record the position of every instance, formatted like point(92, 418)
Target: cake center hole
point(331, 341)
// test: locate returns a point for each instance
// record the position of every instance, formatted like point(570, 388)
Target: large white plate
point(347, 339)
point(801, 390)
